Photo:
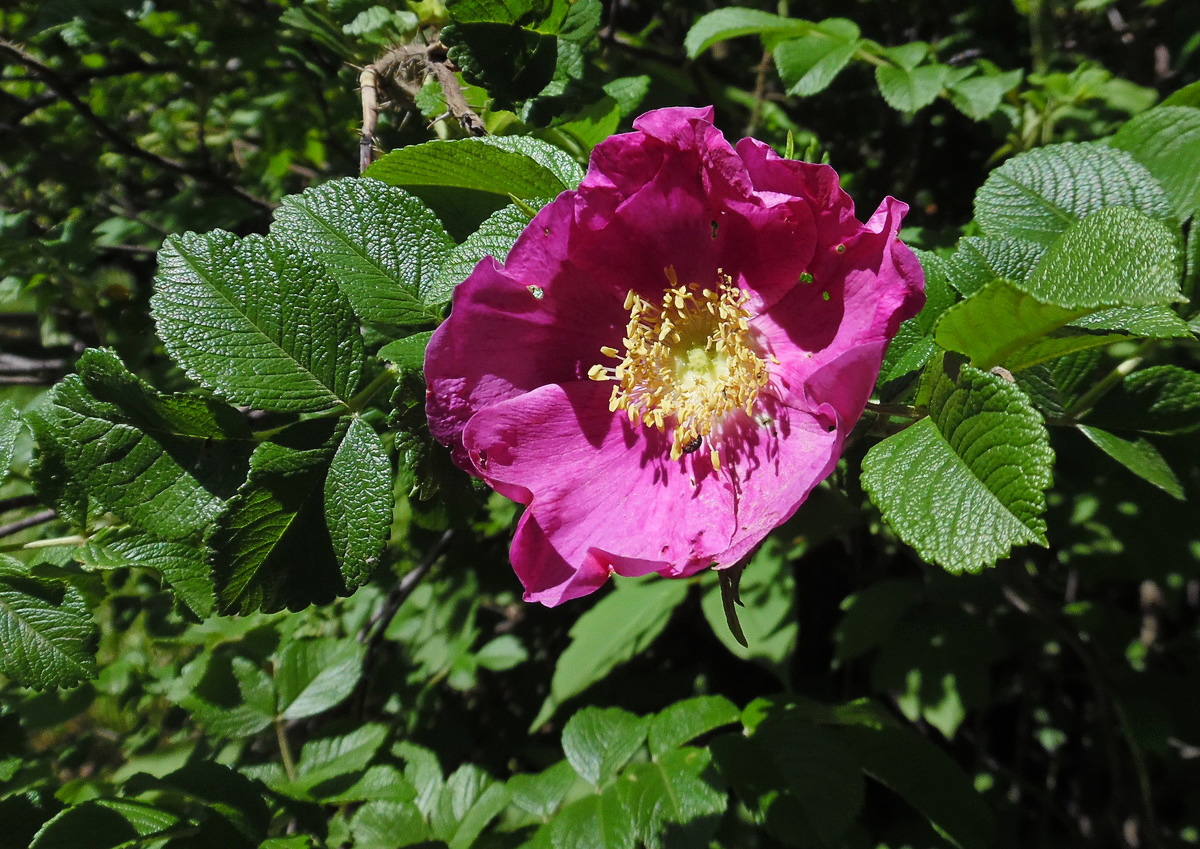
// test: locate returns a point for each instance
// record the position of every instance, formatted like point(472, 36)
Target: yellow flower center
point(688, 362)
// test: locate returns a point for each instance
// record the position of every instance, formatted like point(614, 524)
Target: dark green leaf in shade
point(104, 824)
point(798, 776)
point(967, 483)
point(229, 695)
point(672, 800)
point(272, 546)
point(257, 321)
point(620, 626)
point(378, 782)
point(684, 721)
point(1138, 456)
point(326, 759)
point(1038, 195)
point(511, 62)
point(1167, 141)
point(314, 675)
point(358, 501)
point(182, 565)
point(1160, 399)
point(384, 247)
point(409, 352)
point(468, 801)
point(221, 790)
point(10, 426)
point(871, 615)
point(599, 741)
point(47, 638)
point(723, 24)
point(807, 65)
point(925, 777)
point(908, 90)
point(164, 463)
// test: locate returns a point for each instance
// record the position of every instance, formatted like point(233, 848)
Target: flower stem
point(381, 380)
point(285, 749)
point(1088, 399)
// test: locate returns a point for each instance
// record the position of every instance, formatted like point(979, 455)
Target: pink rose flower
point(671, 356)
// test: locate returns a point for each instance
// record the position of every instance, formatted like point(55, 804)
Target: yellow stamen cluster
point(687, 362)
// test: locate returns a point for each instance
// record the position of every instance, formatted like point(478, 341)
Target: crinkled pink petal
point(600, 489)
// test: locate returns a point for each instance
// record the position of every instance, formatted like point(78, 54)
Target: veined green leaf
point(183, 565)
point(312, 676)
point(723, 24)
point(46, 633)
point(1160, 399)
point(1167, 141)
point(257, 321)
point(909, 90)
point(599, 741)
point(620, 626)
point(358, 501)
point(1038, 195)
point(1138, 456)
point(384, 247)
point(807, 65)
point(10, 426)
point(967, 483)
point(163, 463)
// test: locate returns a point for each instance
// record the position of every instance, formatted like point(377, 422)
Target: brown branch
point(28, 522)
point(406, 68)
point(62, 88)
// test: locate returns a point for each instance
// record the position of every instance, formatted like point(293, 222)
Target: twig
point(62, 88)
point(367, 84)
point(28, 522)
point(372, 632)
point(18, 502)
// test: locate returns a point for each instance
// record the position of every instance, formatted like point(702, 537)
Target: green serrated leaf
point(380, 824)
point(979, 261)
point(47, 638)
point(1138, 456)
point(384, 247)
point(799, 776)
point(1167, 141)
point(1153, 322)
point(10, 427)
point(1038, 195)
point(684, 721)
point(599, 741)
point(966, 484)
point(925, 777)
point(1114, 257)
point(909, 90)
point(979, 96)
point(672, 791)
point(272, 546)
point(542, 793)
point(504, 165)
point(164, 463)
point(724, 24)
point(913, 345)
point(312, 676)
point(103, 824)
point(807, 65)
point(358, 501)
point(327, 758)
point(257, 321)
point(598, 819)
point(494, 238)
point(1161, 399)
point(409, 352)
point(229, 696)
point(511, 62)
point(620, 626)
point(182, 565)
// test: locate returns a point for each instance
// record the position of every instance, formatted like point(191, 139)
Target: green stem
point(1122, 370)
point(381, 380)
point(285, 749)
